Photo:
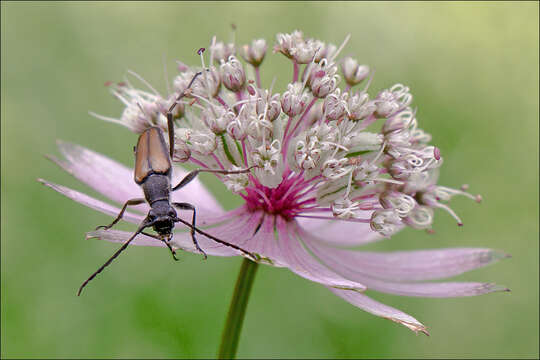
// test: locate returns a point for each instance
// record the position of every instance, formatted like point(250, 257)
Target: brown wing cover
point(151, 155)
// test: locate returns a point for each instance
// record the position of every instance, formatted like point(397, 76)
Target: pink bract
point(307, 247)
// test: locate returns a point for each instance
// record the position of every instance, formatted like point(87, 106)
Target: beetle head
point(161, 217)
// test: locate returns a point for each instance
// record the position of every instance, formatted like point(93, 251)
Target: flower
point(322, 183)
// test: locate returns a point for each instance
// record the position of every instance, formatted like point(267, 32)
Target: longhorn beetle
point(153, 168)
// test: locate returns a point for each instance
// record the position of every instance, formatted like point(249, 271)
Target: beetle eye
point(172, 213)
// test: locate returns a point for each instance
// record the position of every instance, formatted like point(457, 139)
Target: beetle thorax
point(156, 187)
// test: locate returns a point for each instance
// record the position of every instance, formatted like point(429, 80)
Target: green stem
point(237, 310)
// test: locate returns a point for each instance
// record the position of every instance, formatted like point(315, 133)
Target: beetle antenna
point(115, 255)
point(170, 123)
point(245, 252)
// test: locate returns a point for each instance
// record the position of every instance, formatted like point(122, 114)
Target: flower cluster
point(334, 165)
point(310, 141)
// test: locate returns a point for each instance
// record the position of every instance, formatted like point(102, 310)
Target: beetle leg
point(193, 174)
point(129, 202)
point(173, 253)
point(170, 124)
point(188, 206)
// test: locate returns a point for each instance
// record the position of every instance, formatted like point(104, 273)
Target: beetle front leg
point(121, 214)
point(188, 206)
point(173, 252)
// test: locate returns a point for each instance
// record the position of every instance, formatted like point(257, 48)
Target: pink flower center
point(288, 199)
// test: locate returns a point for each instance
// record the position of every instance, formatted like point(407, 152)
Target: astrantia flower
point(322, 183)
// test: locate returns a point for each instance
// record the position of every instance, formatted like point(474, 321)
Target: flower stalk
point(237, 310)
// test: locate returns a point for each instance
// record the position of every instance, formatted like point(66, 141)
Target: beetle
point(153, 170)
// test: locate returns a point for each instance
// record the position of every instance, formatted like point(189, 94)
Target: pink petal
point(376, 308)
point(212, 218)
point(434, 290)
point(104, 175)
point(407, 265)
point(92, 203)
point(235, 231)
point(119, 236)
point(373, 272)
point(115, 180)
point(344, 233)
point(300, 261)
point(228, 232)
point(264, 242)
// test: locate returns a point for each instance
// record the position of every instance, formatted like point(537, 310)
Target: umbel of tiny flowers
point(323, 184)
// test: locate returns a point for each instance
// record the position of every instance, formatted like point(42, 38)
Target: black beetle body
point(153, 170)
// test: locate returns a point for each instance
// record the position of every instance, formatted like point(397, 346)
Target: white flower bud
point(401, 203)
point(421, 217)
point(353, 72)
point(335, 169)
point(201, 142)
point(345, 208)
point(385, 222)
point(307, 154)
point(323, 50)
point(142, 109)
point(232, 74)
point(254, 53)
point(217, 118)
point(236, 182)
point(270, 164)
point(285, 43)
point(222, 51)
point(323, 79)
point(360, 107)
point(237, 129)
point(392, 100)
point(421, 181)
point(182, 153)
point(259, 128)
point(137, 120)
point(208, 83)
point(303, 52)
point(308, 150)
point(335, 105)
point(399, 170)
point(294, 100)
point(269, 104)
point(400, 121)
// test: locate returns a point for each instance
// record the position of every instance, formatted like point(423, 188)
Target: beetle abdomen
point(151, 155)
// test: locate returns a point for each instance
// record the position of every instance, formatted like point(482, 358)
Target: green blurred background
point(473, 69)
